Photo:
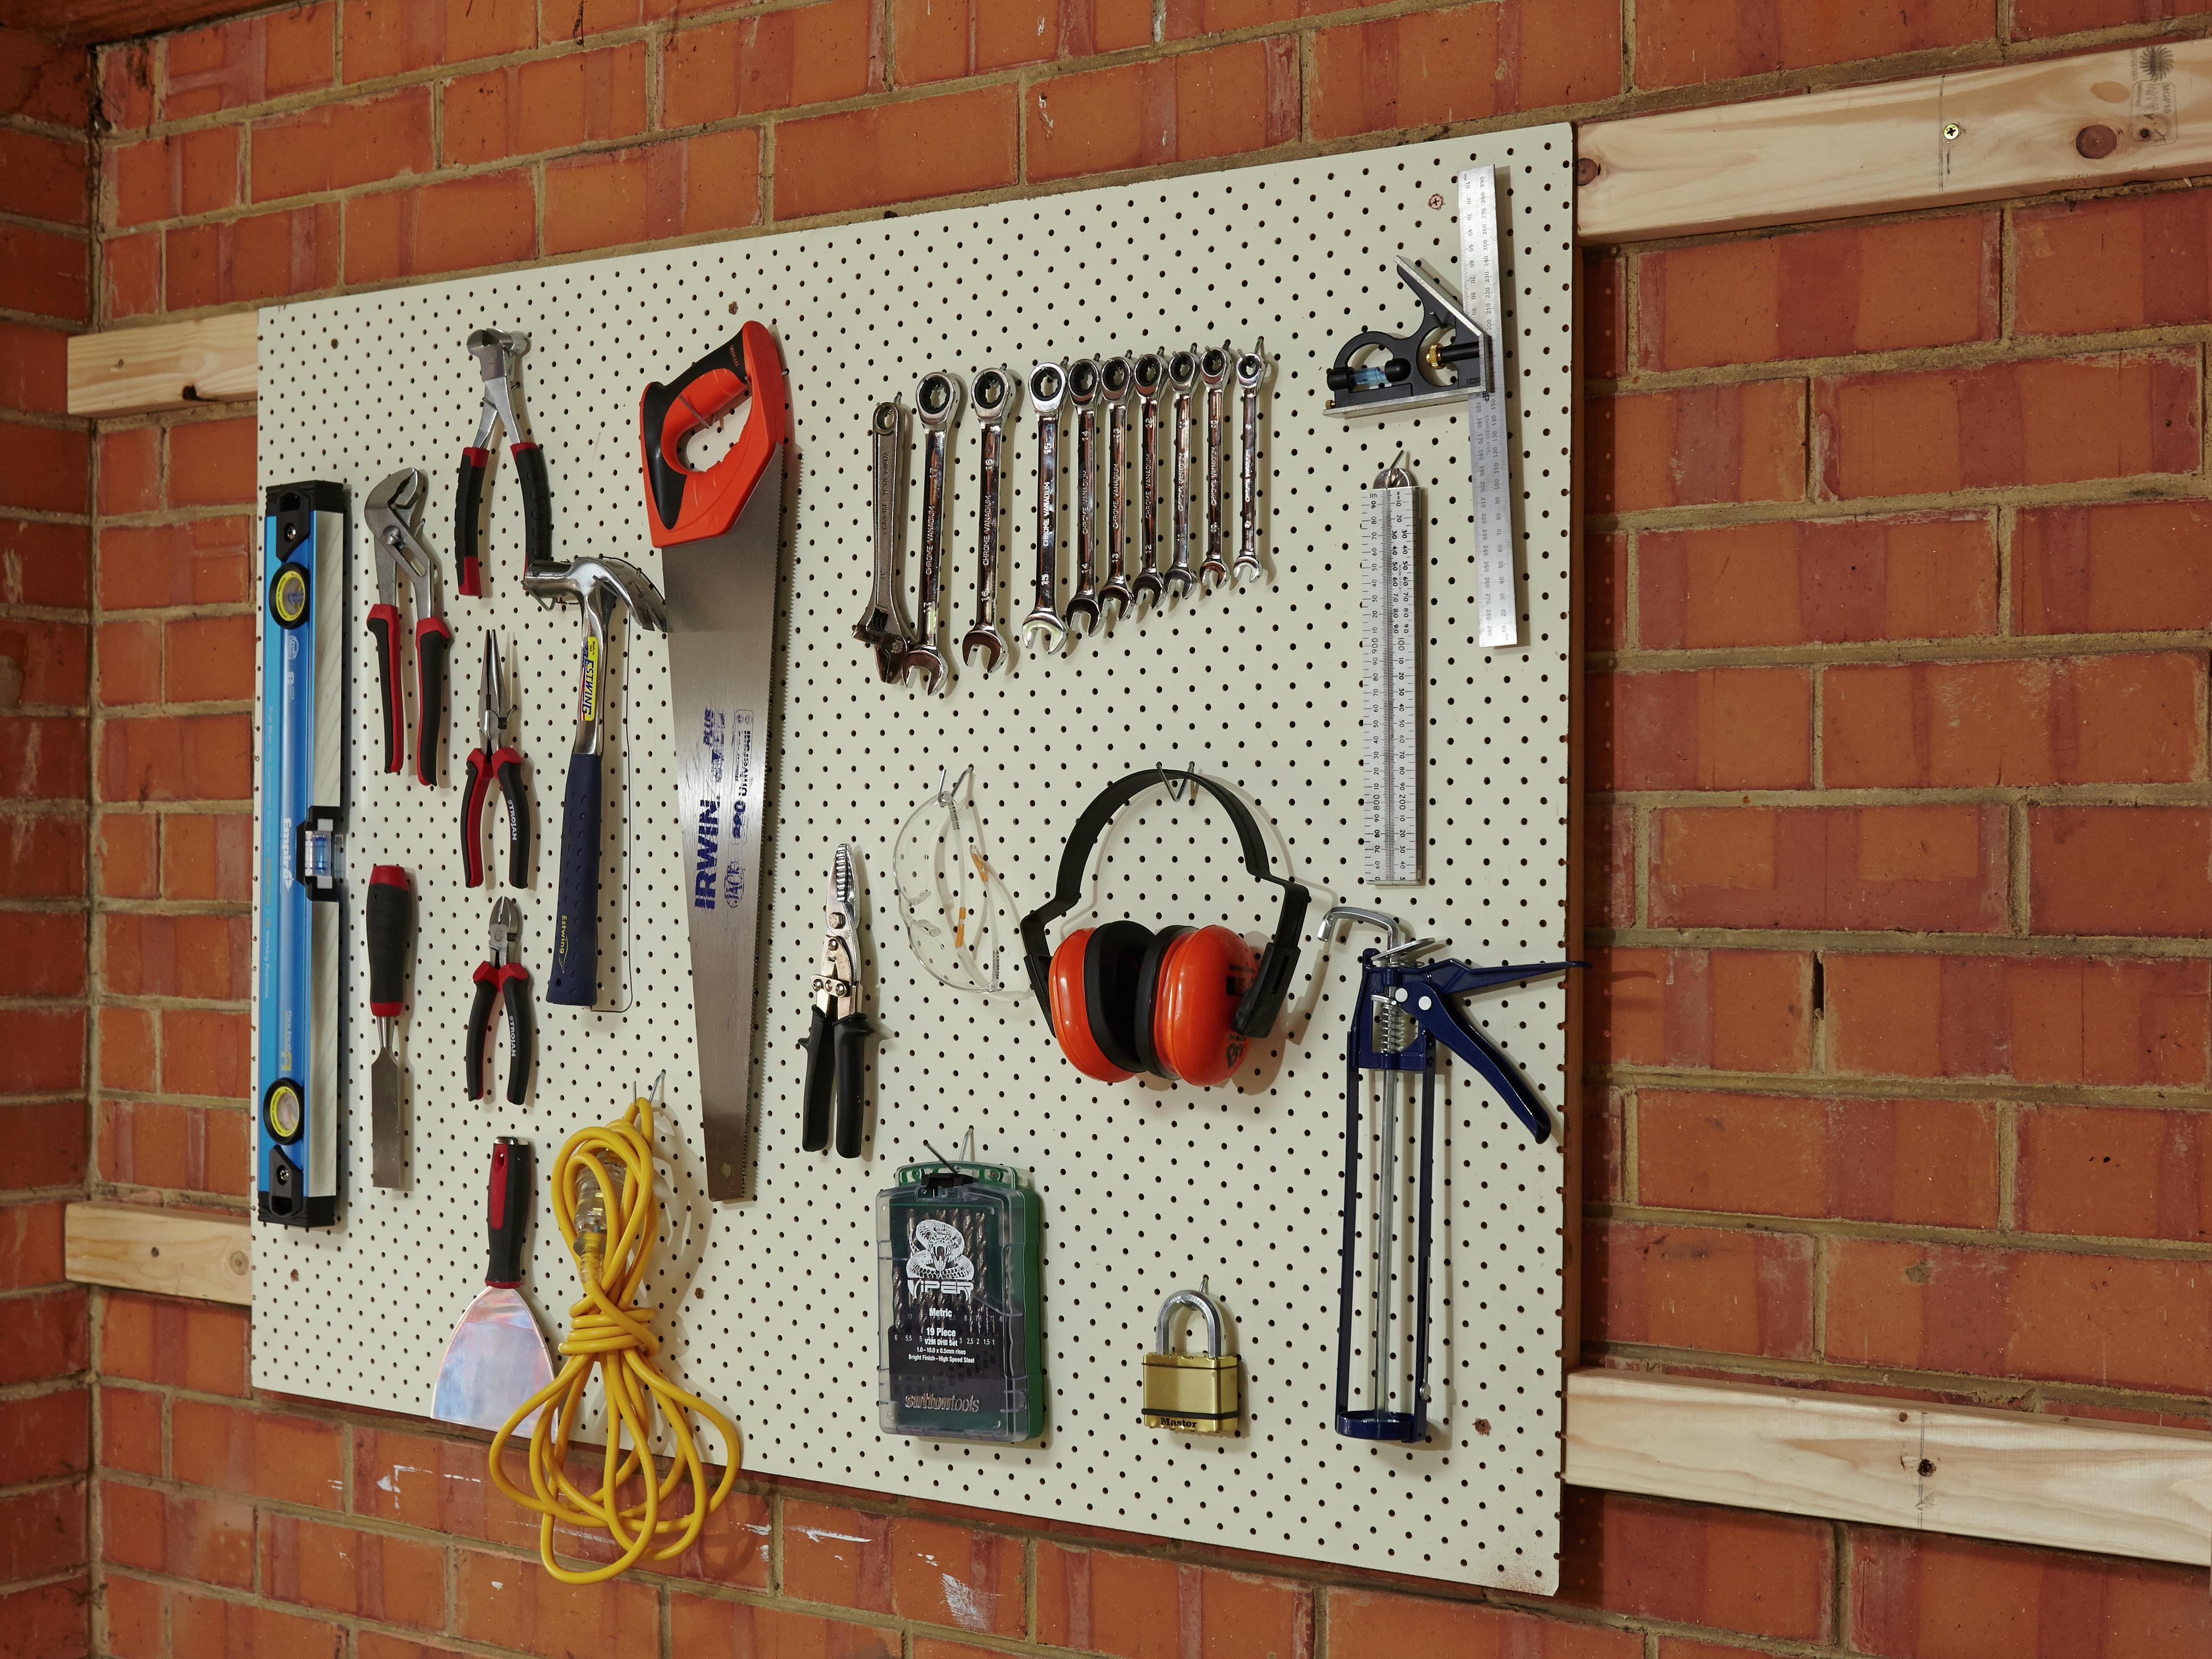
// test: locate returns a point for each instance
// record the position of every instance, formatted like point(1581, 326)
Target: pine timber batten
point(136, 371)
point(135, 1247)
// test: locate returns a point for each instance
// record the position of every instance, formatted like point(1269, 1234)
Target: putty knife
point(497, 1359)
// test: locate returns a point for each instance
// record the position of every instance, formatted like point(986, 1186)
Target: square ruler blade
point(1389, 682)
point(1482, 295)
point(721, 652)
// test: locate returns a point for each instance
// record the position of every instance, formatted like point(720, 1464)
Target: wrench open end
point(990, 642)
point(924, 660)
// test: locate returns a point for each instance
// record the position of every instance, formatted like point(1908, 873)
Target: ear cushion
point(1110, 961)
point(1071, 1020)
point(1202, 979)
point(1146, 994)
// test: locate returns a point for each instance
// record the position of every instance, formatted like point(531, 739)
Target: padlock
point(1192, 1392)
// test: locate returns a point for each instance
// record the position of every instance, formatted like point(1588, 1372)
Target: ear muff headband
point(1256, 1013)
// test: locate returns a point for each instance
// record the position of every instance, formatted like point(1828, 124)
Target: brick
point(442, 1486)
point(47, 1337)
point(33, 368)
point(173, 1343)
point(943, 1574)
point(43, 662)
point(207, 1539)
point(1603, 332)
point(2062, 1020)
point(45, 1142)
point(362, 1575)
point(208, 659)
point(378, 38)
point(1767, 1575)
point(1685, 42)
point(1465, 64)
point(129, 855)
point(131, 1431)
point(127, 1047)
point(2129, 262)
point(1728, 1011)
point(44, 79)
point(231, 65)
point(339, 146)
point(45, 1436)
point(680, 188)
point(1605, 1146)
point(293, 1460)
point(211, 463)
point(203, 1052)
point(182, 757)
point(944, 40)
point(1821, 294)
point(195, 1149)
point(43, 857)
point(1690, 1287)
point(495, 1602)
point(1930, 1596)
point(377, 1645)
point(1932, 868)
point(1364, 1625)
point(573, 19)
point(1697, 446)
point(44, 564)
point(465, 224)
point(905, 152)
point(2120, 870)
point(207, 856)
point(42, 1532)
point(205, 562)
point(1831, 581)
point(2119, 567)
point(2103, 1319)
point(555, 103)
point(45, 272)
point(190, 173)
point(1713, 728)
point(2115, 1173)
point(2056, 420)
point(130, 274)
point(133, 1614)
point(129, 471)
point(2137, 719)
point(201, 1627)
point(2037, 19)
point(43, 177)
point(698, 1625)
point(1609, 868)
point(48, 1622)
point(130, 655)
point(177, 956)
point(45, 957)
point(733, 1545)
point(1136, 1607)
point(42, 757)
point(49, 467)
point(262, 256)
point(1605, 594)
point(1200, 106)
point(814, 54)
point(41, 1050)
point(1928, 1162)
point(31, 1245)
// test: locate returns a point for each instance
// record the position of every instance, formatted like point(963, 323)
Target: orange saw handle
point(684, 506)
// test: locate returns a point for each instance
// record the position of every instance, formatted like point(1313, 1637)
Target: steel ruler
point(1390, 685)
point(1481, 291)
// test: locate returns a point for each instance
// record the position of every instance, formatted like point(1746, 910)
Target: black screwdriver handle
point(391, 919)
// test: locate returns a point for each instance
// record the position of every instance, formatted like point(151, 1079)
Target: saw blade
point(722, 650)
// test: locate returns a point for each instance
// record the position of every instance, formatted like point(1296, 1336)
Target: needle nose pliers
point(500, 357)
point(394, 511)
point(493, 759)
point(503, 978)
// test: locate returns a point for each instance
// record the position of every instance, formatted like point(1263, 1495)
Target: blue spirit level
point(300, 925)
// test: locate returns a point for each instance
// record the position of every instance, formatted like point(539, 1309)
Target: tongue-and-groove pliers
point(394, 510)
point(495, 759)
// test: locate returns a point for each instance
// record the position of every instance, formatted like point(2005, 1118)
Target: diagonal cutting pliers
point(493, 758)
point(394, 511)
point(500, 358)
point(503, 978)
point(835, 1061)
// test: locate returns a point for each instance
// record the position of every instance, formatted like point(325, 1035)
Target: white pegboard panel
point(770, 1303)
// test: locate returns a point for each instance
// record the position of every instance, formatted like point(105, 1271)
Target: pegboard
point(770, 1304)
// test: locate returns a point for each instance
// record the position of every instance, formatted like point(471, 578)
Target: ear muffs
point(1147, 992)
point(1111, 958)
point(1071, 1014)
point(1203, 977)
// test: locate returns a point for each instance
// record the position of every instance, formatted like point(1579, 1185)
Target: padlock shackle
point(1199, 1302)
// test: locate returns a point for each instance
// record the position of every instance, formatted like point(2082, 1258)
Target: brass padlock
point(1192, 1392)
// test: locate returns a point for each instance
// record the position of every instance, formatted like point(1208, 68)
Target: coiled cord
point(605, 1174)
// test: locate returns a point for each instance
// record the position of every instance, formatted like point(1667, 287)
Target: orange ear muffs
point(1071, 1014)
point(1146, 1009)
point(1112, 959)
point(1203, 977)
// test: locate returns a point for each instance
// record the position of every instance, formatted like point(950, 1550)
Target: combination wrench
point(1150, 374)
point(1251, 370)
point(1082, 613)
point(993, 395)
point(883, 625)
point(1117, 381)
point(937, 403)
point(1183, 380)
point(1213, 373)
point(1048, 387)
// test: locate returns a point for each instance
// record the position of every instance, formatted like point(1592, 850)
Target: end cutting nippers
point(498, 356)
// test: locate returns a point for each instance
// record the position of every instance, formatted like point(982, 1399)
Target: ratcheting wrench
point(1182, 379)
point(1251, 369)
point(394, 510)
point(498, 357)
point(1048, 387)
point(883, 625)
point(1214, 372)
point(993, 394)
point(937, 401)
point(1150, 374)
point(1117, 382)
point(1083, 392)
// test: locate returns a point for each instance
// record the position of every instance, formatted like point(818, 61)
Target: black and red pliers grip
point(502, 979)
point(393, 511)
point(504, 763)
point(498, 355)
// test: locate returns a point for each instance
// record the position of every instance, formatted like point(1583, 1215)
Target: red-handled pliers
point(502, 979)
point(493, 759)
point(500, 356)
point(395, 508)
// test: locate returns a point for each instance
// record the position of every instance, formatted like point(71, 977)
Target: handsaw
point(497, 1357)
point(718, 531)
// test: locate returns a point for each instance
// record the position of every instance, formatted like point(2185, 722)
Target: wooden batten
point(133, 1247)
point(136, 371)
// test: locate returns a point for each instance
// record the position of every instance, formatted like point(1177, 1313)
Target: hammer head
point(600, 584)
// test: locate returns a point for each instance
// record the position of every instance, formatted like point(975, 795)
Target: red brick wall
point(1899, 1050)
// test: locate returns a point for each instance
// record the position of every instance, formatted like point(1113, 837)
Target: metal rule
point(1390, 693)
point(1498, 607)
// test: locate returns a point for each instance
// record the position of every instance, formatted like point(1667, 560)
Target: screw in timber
point(1951, 130)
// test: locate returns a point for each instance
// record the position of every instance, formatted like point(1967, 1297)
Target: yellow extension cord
point(610, 1336)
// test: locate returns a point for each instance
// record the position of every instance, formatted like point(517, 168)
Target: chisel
point(390, 920)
